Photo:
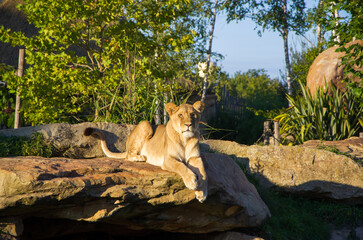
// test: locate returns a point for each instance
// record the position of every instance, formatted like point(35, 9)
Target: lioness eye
point(180, 115)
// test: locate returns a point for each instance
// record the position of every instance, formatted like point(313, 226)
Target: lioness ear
point(171, 108)
point(199, 106)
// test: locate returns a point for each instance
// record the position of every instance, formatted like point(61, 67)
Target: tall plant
point(329, 115)
point(7, 100)
point(282, 16)
point(346, 27)
point(96, 60)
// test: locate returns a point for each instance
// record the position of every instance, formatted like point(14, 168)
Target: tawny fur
point(173, 147)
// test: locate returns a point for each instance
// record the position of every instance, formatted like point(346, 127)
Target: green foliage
point(352, 60)
point(327, 116)
point(23, 146)
point(7, 100)
point(350, 23)
point(258, 98)
point(300, 65)
point(347, 26)
point(270, 15)
point(107, 61)
point(258, 89)
point(281, 16)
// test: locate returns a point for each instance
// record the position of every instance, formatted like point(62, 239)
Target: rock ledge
point(107, 194)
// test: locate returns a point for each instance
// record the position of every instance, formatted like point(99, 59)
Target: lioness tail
point(95, 132)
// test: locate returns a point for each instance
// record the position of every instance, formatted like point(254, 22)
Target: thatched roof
point(12, 18)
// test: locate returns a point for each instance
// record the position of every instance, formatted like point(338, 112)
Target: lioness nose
point(188, 124)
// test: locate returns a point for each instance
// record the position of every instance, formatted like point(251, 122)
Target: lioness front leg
point(196, 164)
point(188, 176)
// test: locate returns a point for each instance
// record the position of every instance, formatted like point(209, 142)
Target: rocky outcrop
point(352, 147)
point(327, 69)
point(68, 139)
point(300, 170)
point(42, 197)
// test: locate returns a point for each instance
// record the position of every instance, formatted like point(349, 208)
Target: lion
point(173, 147)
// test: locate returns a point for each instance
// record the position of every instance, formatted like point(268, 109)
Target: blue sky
point(243, 49)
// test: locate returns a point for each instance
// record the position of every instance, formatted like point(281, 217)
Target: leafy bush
point(23, 146)
point(331, 115)
point(258, 89)
point(108, 61)
point(7, 100)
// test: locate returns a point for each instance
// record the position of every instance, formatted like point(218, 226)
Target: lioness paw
point(136, 158)
point(191, 181)
point(201, 195)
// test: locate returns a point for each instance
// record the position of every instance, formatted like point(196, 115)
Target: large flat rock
point(66, 196)
point(298, 169)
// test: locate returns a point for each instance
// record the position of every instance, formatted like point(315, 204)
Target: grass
point(23, 146)
point(299, 218)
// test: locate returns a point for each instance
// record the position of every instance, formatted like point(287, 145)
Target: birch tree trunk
point(335, 14)
point(205, 82)
point(287, 63)
point(18, 101)
point(285, 35)
point(319, 32)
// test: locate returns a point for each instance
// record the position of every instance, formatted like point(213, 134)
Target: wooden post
point(276, 133)
point(266, 132)
point(20, 74)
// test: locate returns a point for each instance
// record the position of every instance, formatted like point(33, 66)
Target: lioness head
point(185, 118)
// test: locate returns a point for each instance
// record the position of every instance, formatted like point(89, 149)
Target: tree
point(349, 27)
point(260, 91)
point(281, 15)
point(205, 80)
point(314, 19)
point(95, 60)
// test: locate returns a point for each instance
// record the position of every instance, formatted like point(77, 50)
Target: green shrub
point(23, 146)
point(7, 100)
point(327, 116)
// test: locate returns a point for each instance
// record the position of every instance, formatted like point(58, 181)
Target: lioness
point(173, 147)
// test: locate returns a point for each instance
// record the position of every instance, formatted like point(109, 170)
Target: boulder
point(44, 198)
point(327, 69)
point(296, 169)
point(352, 147)
point(68, 139)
